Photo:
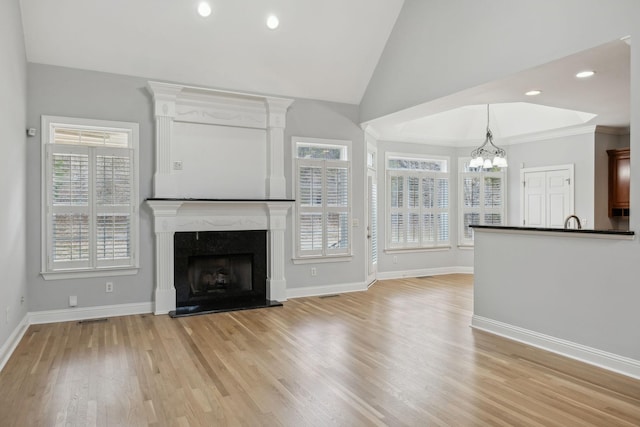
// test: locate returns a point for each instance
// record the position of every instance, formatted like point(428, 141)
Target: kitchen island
point(574, 292)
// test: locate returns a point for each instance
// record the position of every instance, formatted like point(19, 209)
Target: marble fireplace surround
point(260, 206)
point(175, 215)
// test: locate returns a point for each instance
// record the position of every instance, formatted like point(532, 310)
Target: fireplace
point(193, 126)
point(220, 271)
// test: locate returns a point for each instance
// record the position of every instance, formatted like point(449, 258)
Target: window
point(89, 197)
point(323, 199)
point(418, 202)
point(482, 193)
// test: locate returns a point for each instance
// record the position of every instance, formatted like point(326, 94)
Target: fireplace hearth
point(220, 271)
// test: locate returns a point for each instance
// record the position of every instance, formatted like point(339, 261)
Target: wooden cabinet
point(619, 168)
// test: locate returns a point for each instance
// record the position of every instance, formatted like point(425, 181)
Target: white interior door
point(547, 196)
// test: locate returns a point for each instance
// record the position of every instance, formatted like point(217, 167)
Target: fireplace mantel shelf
point(169, 199)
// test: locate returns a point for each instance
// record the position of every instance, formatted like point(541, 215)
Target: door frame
point(371, 266)
point(569, 167)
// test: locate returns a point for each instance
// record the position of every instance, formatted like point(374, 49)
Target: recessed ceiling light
point(204, 9)
point(273, 22)
point(585, 74)
point(533, 92)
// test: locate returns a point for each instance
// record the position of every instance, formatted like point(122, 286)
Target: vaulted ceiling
point(323, 49)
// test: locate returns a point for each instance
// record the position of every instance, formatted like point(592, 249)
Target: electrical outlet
point(108, 287)
point(73, 300)
point(22, 299)
point(395, 259)
point(314, 272)
point(177, 165)
point(8, 314)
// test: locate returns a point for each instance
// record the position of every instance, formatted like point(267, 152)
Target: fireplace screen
point(219, 274)
point(220, 270)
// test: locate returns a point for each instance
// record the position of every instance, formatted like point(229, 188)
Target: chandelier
point(488, 155)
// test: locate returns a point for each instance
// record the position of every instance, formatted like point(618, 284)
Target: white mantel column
point(164, 213)
point(164, 96)
point(276, 282)
point(276, 121)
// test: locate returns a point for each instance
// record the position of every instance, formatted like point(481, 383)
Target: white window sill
point(466, 247)
point(411, 250)
point(84, 274)
point(322, 259)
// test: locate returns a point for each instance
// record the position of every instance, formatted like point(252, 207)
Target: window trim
point(466, 243)
point(47, 124)
point(389, 247)
point(323, 257)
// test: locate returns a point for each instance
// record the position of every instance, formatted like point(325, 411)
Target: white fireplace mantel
point(176, 215)
point(211, 144)
point(196, 106)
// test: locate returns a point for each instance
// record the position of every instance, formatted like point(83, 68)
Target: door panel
point(547, 197)
point(534, 199)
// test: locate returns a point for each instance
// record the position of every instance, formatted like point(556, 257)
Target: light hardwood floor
point(401, 353)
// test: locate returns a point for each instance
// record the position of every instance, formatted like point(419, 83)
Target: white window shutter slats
point(482, 199)
point(70, 235)
point(113, 180)
point(418, 204)
point(70, 179)
point(90, 211)
point(323, 199)
point(113, 237)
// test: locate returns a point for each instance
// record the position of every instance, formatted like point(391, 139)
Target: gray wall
point(318, 119)
point(78, 93)
point(87, 94)
point(576, 149)
point(567, 287)
point(417, 260)
point(13, 169)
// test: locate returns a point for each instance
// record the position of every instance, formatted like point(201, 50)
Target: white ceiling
point(323, 49)
point(566, 101)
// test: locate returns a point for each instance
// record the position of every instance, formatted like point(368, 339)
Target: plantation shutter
point(310, 202)
point(337, 206)
point(323, 199)
point(90, 204)
point(482, 199)
point(113, 206)
point(69, 207)
point(443, 210)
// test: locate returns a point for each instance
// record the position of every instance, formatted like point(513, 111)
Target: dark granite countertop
point(554, 230)
point(169, 199)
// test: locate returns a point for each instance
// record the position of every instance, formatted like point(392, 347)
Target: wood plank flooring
point(399, 354)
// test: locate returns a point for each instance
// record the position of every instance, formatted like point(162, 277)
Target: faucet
point(566, 221)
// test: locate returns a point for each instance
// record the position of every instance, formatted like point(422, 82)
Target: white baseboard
point(84, 313)
point(12, 342)
point(610, 361)
point(313, 291)
point(388, 275)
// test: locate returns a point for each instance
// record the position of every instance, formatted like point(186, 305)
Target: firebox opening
point(220, 271)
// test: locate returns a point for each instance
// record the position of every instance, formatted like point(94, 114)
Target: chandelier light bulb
point(488, 155)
